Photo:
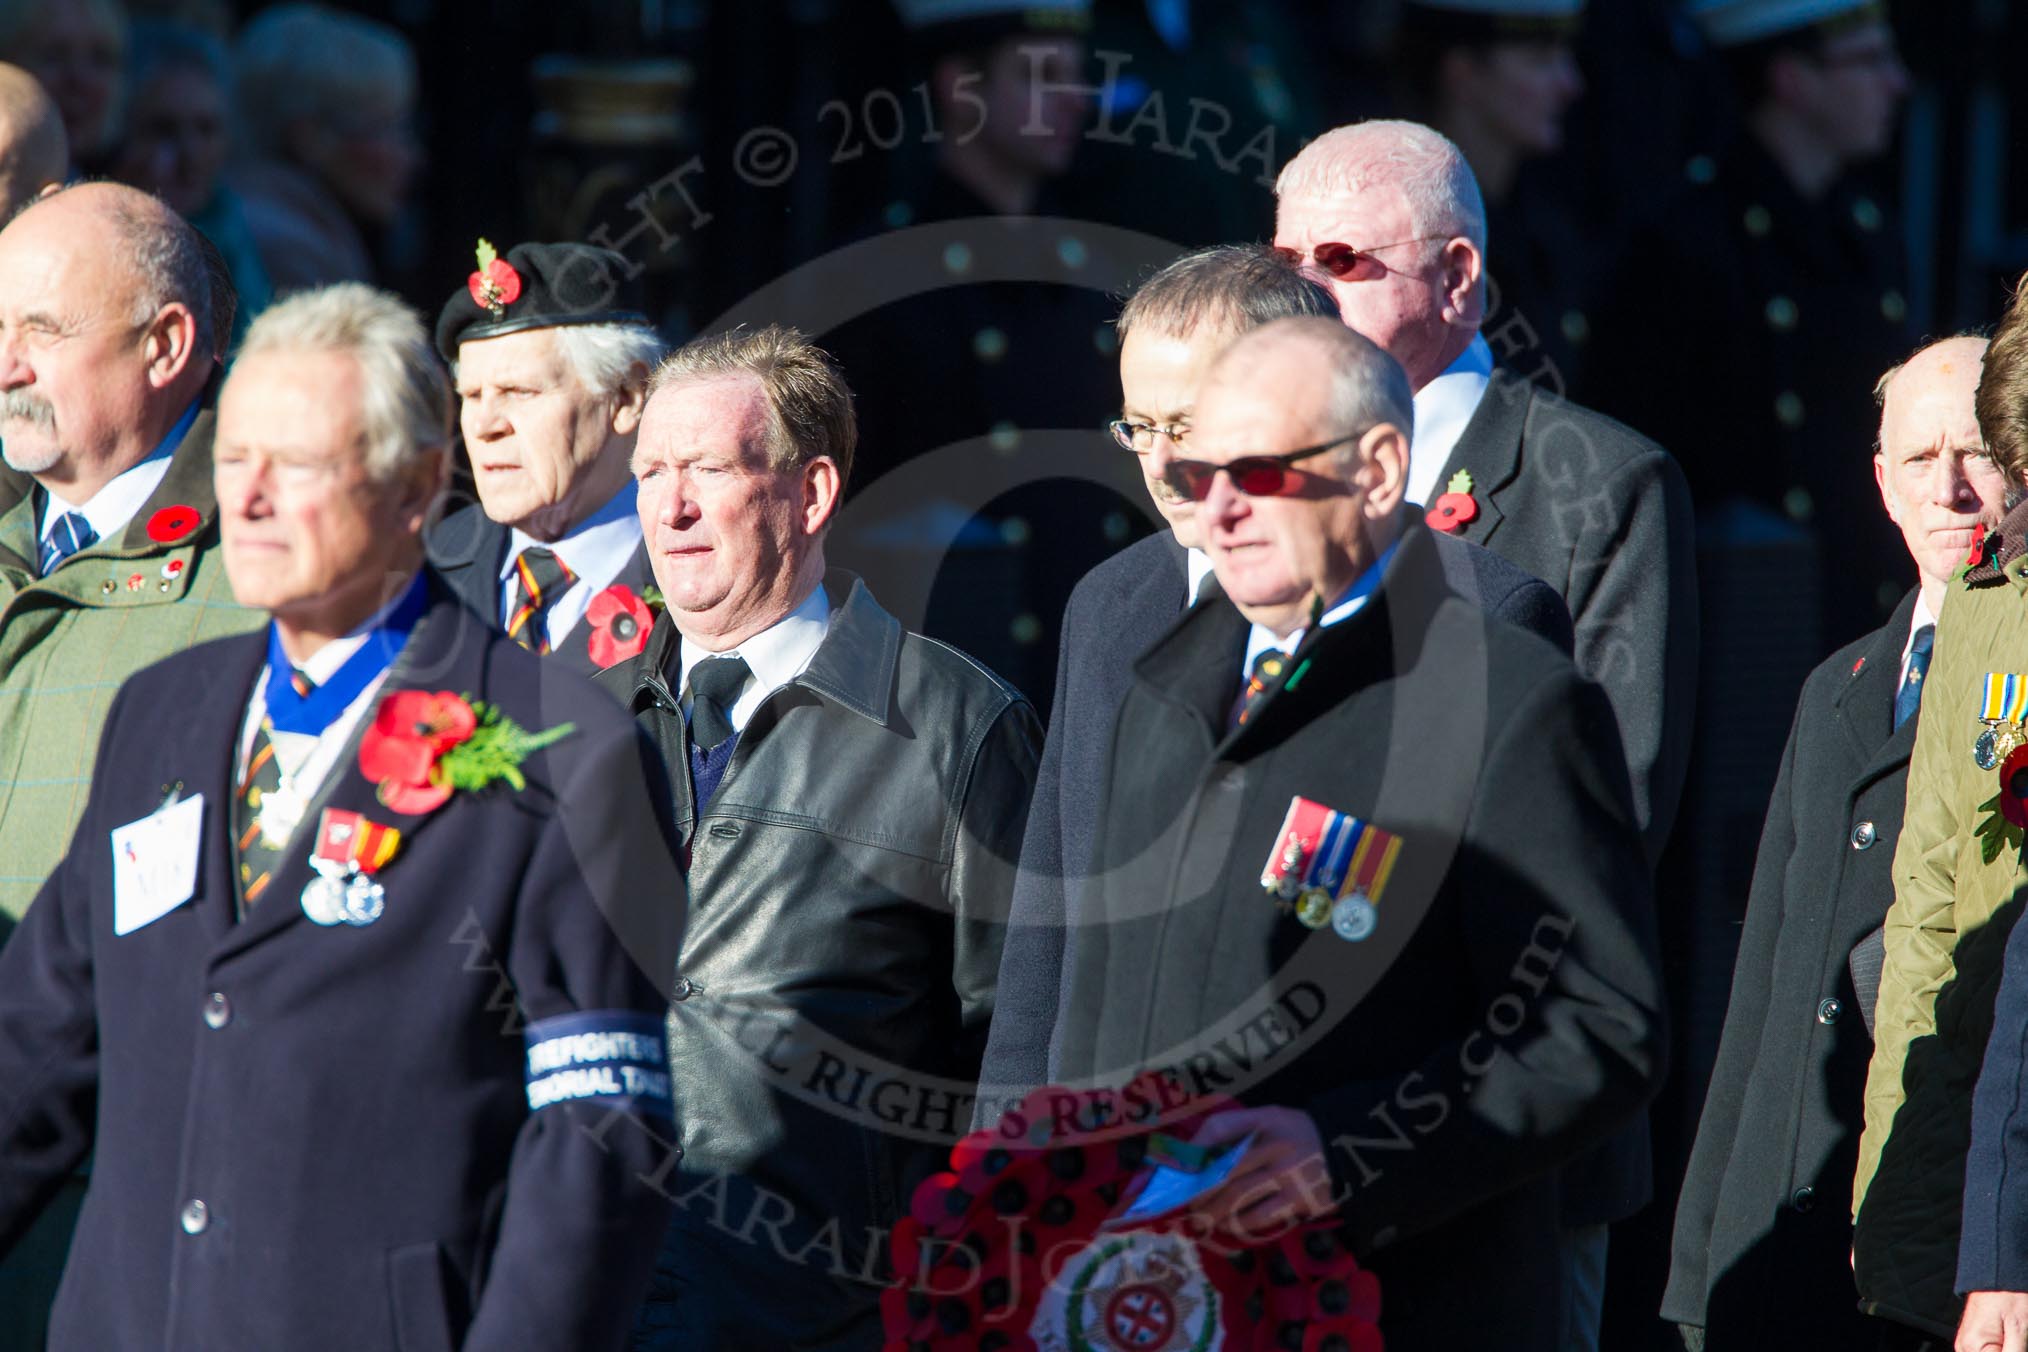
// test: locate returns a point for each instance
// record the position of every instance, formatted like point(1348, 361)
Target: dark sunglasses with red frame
point(1342, 260)
point(1257, 476)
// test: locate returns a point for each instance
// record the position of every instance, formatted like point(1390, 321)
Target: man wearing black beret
point(551, 360)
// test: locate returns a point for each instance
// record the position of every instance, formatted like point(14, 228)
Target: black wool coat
point(1117, 613)
point(1506, 1012)
point(346, 1103)
point(1762, 1253)
point(468, 549)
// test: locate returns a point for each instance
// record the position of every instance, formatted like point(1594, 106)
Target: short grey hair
point(166, 260)
point(304, 61)
point(1421, 163)
point(1364, 387)
point(809, 404)
point(1226, 289)
point(610, 359)
point(406, 406)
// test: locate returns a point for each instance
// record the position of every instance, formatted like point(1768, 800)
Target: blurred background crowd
point(1721, 238)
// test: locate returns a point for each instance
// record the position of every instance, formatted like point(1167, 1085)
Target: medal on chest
point(2002, 705)
point(349, 851)
point(1330, 868)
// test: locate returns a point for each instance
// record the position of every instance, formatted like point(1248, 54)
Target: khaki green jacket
point(68, 641)
point(1946, 933)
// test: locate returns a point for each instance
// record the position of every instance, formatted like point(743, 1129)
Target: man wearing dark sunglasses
point(1390, 217)
point(1171, 330)
point(1347, 681)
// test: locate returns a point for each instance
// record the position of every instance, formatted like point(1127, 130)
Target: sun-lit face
point(309, 535)
point(1404, 297)
point(1936, 478)
point(545, 450)
point(74, 362)
point(1159, 378)
point(733, 541)
point(1274, 554)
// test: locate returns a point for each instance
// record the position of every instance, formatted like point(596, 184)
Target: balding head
point(1299, 385)
point(105, 333)
point(33, 151)
point(1401, 225)
point(1937, 478)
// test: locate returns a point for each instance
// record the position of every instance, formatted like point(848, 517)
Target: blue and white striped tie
point(67, 535)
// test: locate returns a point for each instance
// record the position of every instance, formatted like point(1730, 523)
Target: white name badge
point(155, 863)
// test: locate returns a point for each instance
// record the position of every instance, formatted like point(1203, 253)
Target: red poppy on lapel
point(1457, 508)
point(410, 733)
point(171, 524)
point(619, 622)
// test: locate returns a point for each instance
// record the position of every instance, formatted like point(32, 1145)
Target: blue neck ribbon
point(291, 712)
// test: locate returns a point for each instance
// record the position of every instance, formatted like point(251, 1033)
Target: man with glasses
point(1171, 330)
point(1389, 215)
point(1372, 865)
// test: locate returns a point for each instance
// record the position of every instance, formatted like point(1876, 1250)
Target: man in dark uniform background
point(1765, 1205)
point(551, 356)
point(1755, 304)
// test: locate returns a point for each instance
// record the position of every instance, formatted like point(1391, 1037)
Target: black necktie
point(257, 854)
point(544, 578)
point(715, 684)
point(1909, 698)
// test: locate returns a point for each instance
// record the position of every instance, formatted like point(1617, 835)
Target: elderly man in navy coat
point(1766, 1204)
point(348, 982)
point(1173, 328)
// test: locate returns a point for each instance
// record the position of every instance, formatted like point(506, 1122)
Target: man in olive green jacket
point(1957, 871)
point(107, 536)
point(109, 552)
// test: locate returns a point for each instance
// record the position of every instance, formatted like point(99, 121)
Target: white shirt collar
point(1198, 564)
point(775, 656)
point(595, 551)
point(114, 505)
point(1442, 409)
point(1261, 638)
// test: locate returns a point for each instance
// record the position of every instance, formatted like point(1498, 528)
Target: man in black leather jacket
point(851, 799)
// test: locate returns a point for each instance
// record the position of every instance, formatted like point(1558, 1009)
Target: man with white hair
point(1390, 216)
point(1372, 866)
point(348, 984)
point(551, 359)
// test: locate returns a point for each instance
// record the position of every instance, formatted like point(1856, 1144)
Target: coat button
point(1802, 1199)
point(1863, 836)
point(217, 1010)
point(1828, 1010)
point(196, 1216)
point(683, 989)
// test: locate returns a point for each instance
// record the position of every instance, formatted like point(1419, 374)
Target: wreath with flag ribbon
point(1008, 1251)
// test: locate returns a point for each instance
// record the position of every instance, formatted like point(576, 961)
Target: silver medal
point(1986, 750)
point(363, 901)
point(324, 897)
point(1353, 917)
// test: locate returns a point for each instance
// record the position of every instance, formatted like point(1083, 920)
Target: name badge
point(155, 863)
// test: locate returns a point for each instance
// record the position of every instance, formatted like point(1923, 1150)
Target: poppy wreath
point(1004, 1251)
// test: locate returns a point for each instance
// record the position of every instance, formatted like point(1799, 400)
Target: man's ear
point(1464, 268)
point(631, 402)
point(1383, 469)
point(170, 343)
point(823, 486)
point(1880, 482)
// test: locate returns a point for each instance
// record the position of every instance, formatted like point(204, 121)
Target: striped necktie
point(1267, 670)
point(1909, 698)
point(67, 535)
point(256, 854)
point(544, 578)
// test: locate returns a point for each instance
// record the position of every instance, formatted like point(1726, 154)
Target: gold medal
point(1313, 908)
